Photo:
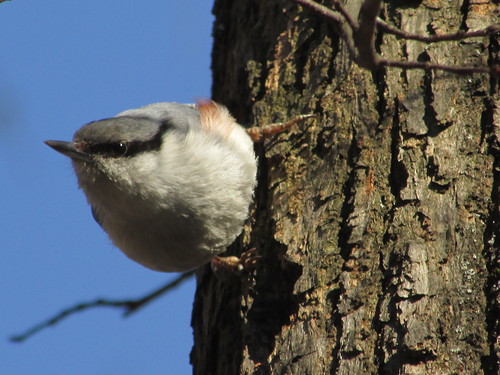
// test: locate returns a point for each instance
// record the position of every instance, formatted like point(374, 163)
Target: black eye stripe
point(123, 148)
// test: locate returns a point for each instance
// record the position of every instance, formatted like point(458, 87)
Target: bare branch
point(350, 21)
point(360, 41)
point(459, 35)
point(129, 306)
point(465, 70)
point(321, 10)
point(344, 29)
point(364, 38)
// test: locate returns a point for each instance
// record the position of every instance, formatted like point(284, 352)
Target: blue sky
point(64, 63)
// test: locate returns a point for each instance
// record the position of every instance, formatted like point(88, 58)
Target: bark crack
point(348, 207)
point(491, 126)
point(398, 175)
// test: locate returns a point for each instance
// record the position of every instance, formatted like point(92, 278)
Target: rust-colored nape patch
point(215, 118)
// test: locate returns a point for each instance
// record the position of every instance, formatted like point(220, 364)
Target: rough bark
point(377, 221)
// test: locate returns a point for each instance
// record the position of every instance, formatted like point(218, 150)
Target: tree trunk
point(378, 220)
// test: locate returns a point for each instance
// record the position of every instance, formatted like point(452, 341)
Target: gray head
point(129, 133)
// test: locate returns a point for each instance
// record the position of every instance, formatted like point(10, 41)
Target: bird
point(170, 183)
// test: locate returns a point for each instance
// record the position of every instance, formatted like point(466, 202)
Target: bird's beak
point(69, 149)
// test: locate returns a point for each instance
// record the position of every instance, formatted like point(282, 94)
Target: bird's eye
point(119, 149)
point(113, 150)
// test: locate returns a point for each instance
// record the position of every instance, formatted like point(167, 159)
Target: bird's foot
point(247, 262)
point(259, 133)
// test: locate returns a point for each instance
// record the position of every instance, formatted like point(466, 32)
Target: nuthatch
point(170, 183)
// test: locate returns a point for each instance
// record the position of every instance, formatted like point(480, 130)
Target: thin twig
point(359, 38)
point(494, 70)
point(459, 35)
point(350, 21)
point(321, 10)
point(364, 38)
point(345, 26)
point(129, 306)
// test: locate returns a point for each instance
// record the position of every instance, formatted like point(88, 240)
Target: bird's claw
point(259, 133)
point(247, 262)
